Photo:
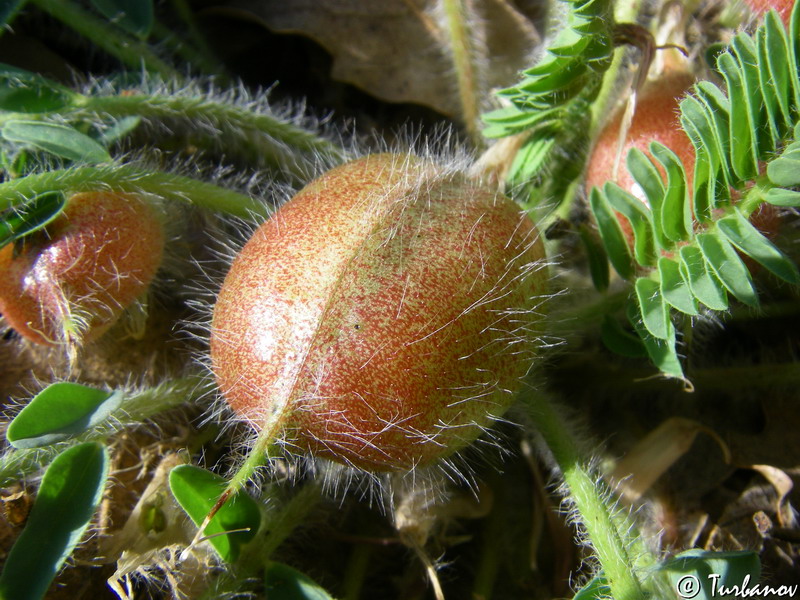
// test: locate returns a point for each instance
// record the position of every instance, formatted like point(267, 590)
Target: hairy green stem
point(611, 540)
point(277, 142)
point(134, 408)
point(127, 178)
point(465, 59)
point(131, 52)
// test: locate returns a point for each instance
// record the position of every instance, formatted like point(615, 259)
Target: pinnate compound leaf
point(611, 234)
point(197, 491)
point(282, 582)
point(742, 234)
point(59, 412)
point(68, 495)
point(698, 573)
point(728, 267)
point(61, 140)
point(134, 16)
point(30, 216)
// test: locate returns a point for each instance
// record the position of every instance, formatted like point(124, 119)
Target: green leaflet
point(785, 170)
point(60, 411)
point(197, 490)
point(742, 234)
point(68, 495)
point(722, 260)
point(134, 16)
point(744, 150)
point(639, 217)
point(596, 256)
point(746, 53)
point(530, 159)
point(617, 339)
point(700, 573)
point(717, 109)
point(675, 287)
point(782, 197)
point(676, 217)
point(34, 214)
point(655, 314)
point(282, 582)
point(661, 352)
point(611, 234)
point(702, 282)
point(596, 589)
point(24, 92)
point(646, 174)
point(700, 126)
point(61, 140)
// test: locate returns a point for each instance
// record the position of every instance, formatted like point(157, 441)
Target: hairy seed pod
point(386, 310)
point(73, 281)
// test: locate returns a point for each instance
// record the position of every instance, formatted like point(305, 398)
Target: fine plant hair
point(234, 122)
point(339, 480)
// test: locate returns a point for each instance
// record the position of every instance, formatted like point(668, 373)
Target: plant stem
point(127, 178)
point(273, 140)
point(131, 52)
point(464, 47)
point(610, 538)
point(357, 568)
point(134, 408)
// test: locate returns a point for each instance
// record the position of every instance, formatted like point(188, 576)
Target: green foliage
point(60, 411)
point(68, 495)
point(700, 573)
point(61, 140)
point(282, 582)
point(30, 216)
point(689, 242)
point(551, 101)
point(133, 16)
point(198, 490)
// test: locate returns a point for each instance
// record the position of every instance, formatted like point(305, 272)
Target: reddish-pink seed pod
point(387, 310)
point(74, 281)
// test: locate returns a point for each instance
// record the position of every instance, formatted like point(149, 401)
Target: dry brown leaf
point(783, 486)
point(656, 453)
point(397, 50)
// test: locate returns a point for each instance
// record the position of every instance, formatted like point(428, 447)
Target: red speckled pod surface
point(386, 311)
point(73, 281)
